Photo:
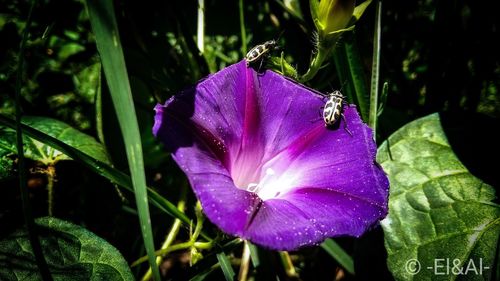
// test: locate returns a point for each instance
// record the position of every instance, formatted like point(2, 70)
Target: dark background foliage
point(436, 56)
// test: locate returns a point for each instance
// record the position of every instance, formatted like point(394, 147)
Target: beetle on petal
point(260, 52)
point(333, 108)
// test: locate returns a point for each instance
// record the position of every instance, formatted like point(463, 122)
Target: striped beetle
point(332, 111)
point(259, 52)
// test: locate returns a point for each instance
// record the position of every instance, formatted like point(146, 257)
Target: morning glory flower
point(264, 166)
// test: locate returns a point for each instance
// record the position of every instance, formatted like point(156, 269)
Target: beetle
point(259, 52)
point(332, 111)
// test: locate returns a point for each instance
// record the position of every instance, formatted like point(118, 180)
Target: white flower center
point(271, 185)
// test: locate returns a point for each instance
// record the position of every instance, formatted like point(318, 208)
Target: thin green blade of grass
point(334, 250)
point(342, 68)
point(358, 77)
point(103, 169)
point(254, 255)
point(103, 21)
point(372, 120)
point(383, 98)
point(26, 204)
point(225, 265)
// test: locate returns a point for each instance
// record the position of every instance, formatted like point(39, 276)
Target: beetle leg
point(345, 124)
point(320, 111)
point(260, 65)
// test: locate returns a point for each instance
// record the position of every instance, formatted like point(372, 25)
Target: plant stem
point(27, 212)
point(172, 234)
point(316, 63)
point(242, 29)
point(288, 264)
point(372, 116)
point(51, 176)
point(201, 26)
point(245, 262)
point(185, 245)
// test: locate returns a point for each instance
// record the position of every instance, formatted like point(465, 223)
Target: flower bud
point(334, 15)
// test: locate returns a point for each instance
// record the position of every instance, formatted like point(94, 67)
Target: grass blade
point(103, 169)
point(383, 98)
point(225, 265)
point(334, 250)
point(372, 120)
point(102, 19)
point(26, 204)
point(358, 77)
point(254, 255)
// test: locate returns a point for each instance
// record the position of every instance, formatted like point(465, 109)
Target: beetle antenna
point(343, 84)
point(279, 35)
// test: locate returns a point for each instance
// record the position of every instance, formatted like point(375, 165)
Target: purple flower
point(263, 165)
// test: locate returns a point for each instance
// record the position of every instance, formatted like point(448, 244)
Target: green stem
point(199, 222)
point(242, 29)
point(372, 116)
point(176, 247)
point(288, 264)
point(27, 212)
point(186, 245)
point(172, 234)
point(51, 175)
point(201, 26)
point(316, 63)
point(245, 262)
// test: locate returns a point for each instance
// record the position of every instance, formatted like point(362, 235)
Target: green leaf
point(350, 69)
point(254, 255)
point(439, 212)
point(87, 81)
point(46, 154)
point(293, 8)
point(334, 250)
point(373, 115)
point(358, 77)
point(105, 28)
point(7, 149)
point(225, 265)
point(359, 10)
point(38, 151)
point(314, 9)
point(72, 253)
point(100, 168)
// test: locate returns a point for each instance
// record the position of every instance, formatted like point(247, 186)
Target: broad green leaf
point(72, 253)
point(439, 213)
point(65, 133)
point(39, 151)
